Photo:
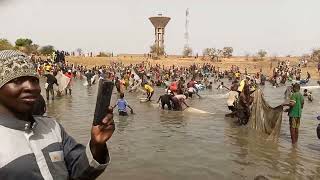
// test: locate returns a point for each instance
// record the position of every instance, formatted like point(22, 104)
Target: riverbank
point(252, 65)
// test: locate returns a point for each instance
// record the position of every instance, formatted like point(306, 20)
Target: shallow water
point(155, 144)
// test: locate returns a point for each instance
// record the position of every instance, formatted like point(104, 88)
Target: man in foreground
point(37, 147)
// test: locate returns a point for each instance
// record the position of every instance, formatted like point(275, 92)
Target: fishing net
point(265, 118)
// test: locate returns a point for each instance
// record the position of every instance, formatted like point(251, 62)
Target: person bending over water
point(308, 94)
point(177, 102)
point(166, 99)
point(149, 91)
point(232, 99)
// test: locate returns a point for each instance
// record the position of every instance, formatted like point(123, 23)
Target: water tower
point(159, 22)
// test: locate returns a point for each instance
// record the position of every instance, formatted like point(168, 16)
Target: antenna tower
point(186, 34)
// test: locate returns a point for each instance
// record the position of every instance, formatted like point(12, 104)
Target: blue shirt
point(122, 105)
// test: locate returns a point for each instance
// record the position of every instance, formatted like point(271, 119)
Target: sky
point(281, 27)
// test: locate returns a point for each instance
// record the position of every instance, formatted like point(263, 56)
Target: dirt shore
point(253, 66)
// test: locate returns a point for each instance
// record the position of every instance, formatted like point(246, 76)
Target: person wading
point(122, 106)
point(295, 111)
point(245, 101)
point(51, 80)
point(37, 147)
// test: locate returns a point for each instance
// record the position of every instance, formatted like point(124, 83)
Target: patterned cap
point(14, 64)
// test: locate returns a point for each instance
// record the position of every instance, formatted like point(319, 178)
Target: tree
point(212, 53)
point(5, 44)
point(25, 45)
point(187, 51)
point(23, 42)
point(227, 52)
point(47, 50)
point(247, 56)
point(155, 49)
point(219, 54)
point(315, 56)
point(33, 48)
point(262, 53)
point(206, 52)
point(79, 51)
point(104, 54)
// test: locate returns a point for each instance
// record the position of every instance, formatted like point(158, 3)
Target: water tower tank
point(159, 22)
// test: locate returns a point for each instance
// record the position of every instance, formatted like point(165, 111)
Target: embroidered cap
point(14, 64)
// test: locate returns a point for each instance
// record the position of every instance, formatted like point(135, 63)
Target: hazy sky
point(280, 26)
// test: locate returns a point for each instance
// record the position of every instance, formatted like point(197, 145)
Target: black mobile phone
point(103, 100)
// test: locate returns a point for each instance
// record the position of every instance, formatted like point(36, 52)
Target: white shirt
point(180, 97)
point(232, 96)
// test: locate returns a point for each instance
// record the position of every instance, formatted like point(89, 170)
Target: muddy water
point(155, 144)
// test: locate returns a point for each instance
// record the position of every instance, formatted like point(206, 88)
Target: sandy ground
point(251, 65)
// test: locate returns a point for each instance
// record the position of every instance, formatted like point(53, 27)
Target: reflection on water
point(156, 144)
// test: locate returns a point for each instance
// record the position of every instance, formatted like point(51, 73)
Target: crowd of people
point(285, 73)
point(178, 83)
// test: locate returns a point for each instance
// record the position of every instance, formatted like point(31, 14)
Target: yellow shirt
point(47, 68)
point(148, 88)
point(241, 86)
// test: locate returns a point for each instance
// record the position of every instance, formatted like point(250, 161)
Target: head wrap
point(14, 64)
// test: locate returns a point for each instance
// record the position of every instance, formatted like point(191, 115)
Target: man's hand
point(100, 134)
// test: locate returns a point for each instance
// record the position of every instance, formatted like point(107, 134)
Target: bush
point(187, 51)
point(262, 53)
point(155, 49)
point(104, 54)
point(46, 50)
point(5, 45)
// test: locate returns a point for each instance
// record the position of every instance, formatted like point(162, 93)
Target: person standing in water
point(89, 75)
point(295, 111)
point(245, 101)
point(69, 86)
point(51, 80)
point(122, 106)
point(39, 147)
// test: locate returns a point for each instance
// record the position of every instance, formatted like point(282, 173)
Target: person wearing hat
point(37, 147)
